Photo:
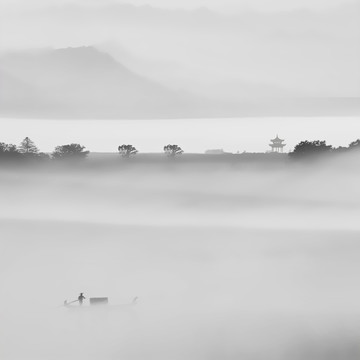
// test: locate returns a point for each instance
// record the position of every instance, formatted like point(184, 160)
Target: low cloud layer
point(226, 260)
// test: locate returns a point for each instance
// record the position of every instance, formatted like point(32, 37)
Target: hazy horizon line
point(227, 9)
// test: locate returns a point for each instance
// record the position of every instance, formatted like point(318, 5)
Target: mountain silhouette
point(82, 82)
point(85, 83)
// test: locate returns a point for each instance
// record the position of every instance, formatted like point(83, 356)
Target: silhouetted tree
point(355, 145)
point(127, 150)
point(9, 152)
point(173, 150)
point(71, 151)
point(28, 147)
point(341, 149)
point(306, 149)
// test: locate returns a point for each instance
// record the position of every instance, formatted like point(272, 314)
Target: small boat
point(98, 303)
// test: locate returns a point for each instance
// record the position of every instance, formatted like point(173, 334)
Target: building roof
point(277, 139)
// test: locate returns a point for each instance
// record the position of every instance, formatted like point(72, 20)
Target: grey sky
point(254, 55)
point(266, 5)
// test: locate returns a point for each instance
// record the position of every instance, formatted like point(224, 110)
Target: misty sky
point(266, 5)
point(198, 54)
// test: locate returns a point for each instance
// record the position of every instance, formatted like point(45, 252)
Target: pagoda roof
point(277, 139)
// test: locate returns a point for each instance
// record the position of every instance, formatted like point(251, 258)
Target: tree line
point(310, 149)
point(27, 150)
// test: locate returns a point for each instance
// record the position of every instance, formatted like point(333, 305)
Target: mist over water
point(240, 256)
point(229, 260)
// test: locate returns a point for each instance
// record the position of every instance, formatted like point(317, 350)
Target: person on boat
point(81, 298)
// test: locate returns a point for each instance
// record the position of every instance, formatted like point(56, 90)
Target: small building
point(277, 145)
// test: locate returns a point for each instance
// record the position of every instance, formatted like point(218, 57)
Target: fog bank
point(227, 261)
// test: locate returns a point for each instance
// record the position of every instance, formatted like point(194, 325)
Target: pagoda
point(277, 144)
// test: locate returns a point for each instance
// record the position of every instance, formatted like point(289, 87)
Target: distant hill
point(84, 83)
point(81, 82)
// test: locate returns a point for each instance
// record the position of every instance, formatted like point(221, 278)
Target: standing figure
point(81, 298)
